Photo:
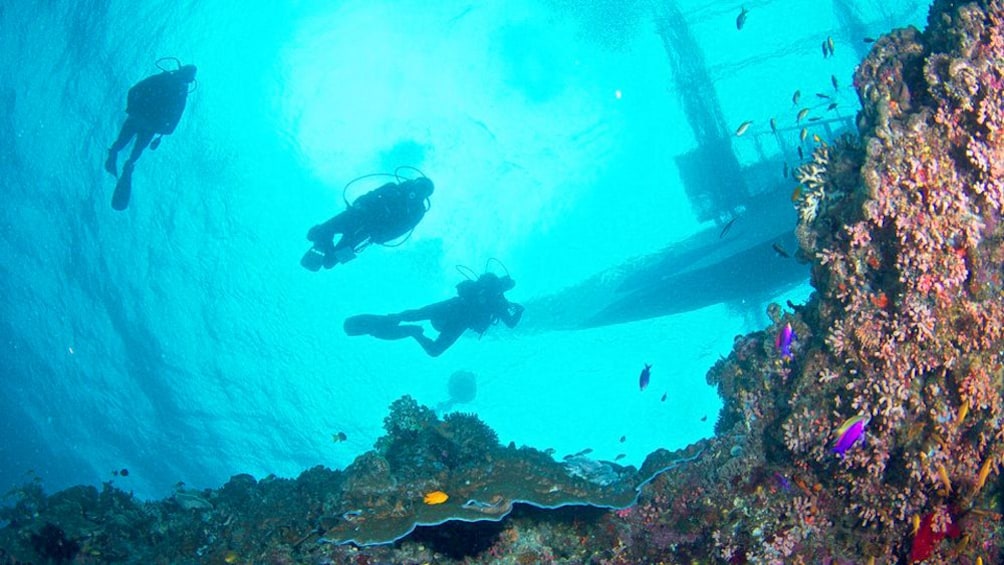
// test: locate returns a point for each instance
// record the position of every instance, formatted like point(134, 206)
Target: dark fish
point(785, 169)
point(646, 375)
point(704, 418)
point(773, 125)
point(825, 50)
point(801, 156)
point(821, 95)
point(832, 106)
point(833, 81)
point(796, 97)
point(123, 472)
point(339, 437)
point(620, 456)
point(741, 19)
point(727, 227)
point(815, 118)
point(663, 399)
point(868, 39)
point(780, 250)
point(585, 451)
point(623, 439)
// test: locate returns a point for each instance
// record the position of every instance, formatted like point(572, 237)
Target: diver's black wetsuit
point(379, 216)
point(480, 304)
point(154, 107)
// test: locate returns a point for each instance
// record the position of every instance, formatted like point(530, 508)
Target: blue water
point(181, 340)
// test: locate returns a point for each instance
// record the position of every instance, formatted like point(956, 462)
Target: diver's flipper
point(111, 163)
point(313, 259)
point(123, 189)
point(367, 324)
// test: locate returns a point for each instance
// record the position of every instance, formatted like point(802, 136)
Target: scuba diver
point(154, 107)
point(379, 216)
point(478, 305)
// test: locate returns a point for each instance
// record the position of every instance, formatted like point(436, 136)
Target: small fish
point(727, 227)
point(741, 18)
point(821, 95)
point(435, 497)
point(663, 399)
point(123, 472)
point(801, 115)
point(849, 433)
point(825, 51)
point(832, 106)
point(646, 375)
point(796, 97)
point(833, 81)
point(963, 410)
point(829, 43)
point(623, 439)
point(816, 138)
point(783, 341)
point(981, 477)
point(916, 524)
point(796, 194)
point(620, 456)
point(585, 451)
point(784, 171)
point(801, 156)
point(339, 437)
point(704, 418)
point(773, 125)
point(815, 119)
point(782, 482)
point(868, 39)
point(803, 134)
point(780, 250)
point(743, 127)
point(943, 475)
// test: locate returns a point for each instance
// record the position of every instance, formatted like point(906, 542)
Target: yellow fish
point(981, 478)
point(743, 127)
point(801, 115)
point(963, 410)
point(436, 497)
point(803, 134)
point(916, 524)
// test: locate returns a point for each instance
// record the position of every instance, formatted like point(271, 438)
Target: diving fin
point(123, 189)
point(313, 259)
point(367, 324)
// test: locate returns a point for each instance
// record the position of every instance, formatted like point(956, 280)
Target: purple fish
point(645, 376)
point(849, 433)
point(783, 341)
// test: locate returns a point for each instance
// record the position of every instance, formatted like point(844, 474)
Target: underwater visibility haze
point(676, 191)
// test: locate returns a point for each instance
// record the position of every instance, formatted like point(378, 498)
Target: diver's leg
point(125, 135)
point(143, 139)
point(446, 338)
point(325, 232)
point(381, 327)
